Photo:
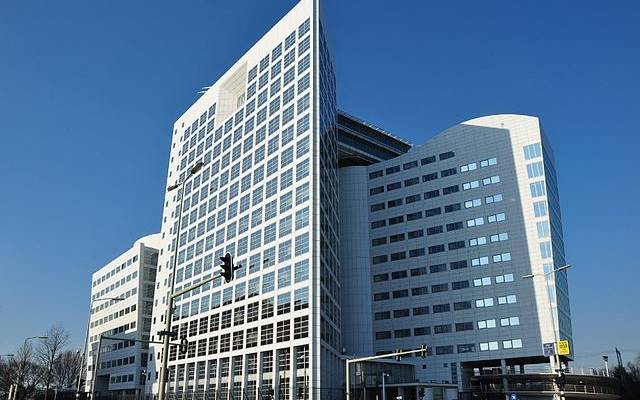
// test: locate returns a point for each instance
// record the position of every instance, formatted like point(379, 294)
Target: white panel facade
point(267, 194)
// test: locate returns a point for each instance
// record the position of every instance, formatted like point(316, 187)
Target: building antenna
point(619, 355)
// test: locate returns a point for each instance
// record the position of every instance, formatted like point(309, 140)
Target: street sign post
point(548, 349)
point(563, 347)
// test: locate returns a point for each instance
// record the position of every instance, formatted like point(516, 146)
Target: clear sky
point(89, 91)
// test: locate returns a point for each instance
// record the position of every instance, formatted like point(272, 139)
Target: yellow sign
point(563, 348)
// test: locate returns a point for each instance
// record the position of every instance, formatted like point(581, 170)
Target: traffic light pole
point(423, 350)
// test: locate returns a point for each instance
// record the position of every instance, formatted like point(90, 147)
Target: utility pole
point(384, 394)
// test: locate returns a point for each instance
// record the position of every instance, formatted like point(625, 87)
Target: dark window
point(448, 154)
point(439, 248)
point(410, 165)
point(462, 305)
point(441, 287)
point(394, 203)
point(429, 177)
point(399, 274)
point(428, 160)
point(466, 348)
point(393, 170)
point(444, 349)
point(415, 234)
point(379, 241)
point(419, 291)
point(381, 296)
point(431, 194)
point(464, 326)
point(383, 335)
point(396, 238)
point(456, 245)
point(375, 174)
point(450, 189)
point(452, 207)
point(437, 268)
point(434, 230)
point(400, 333)
point(411, 182)
point(378, 224)
point(421, 331)
point(380, 277)
point(439, 308)
point(418, 271)
point(414, 216)
point(416, 252)
point(454, 226)
point(401, 313)
point(401, 255)
point(376, 190)
point(379, 259)
point(432, 211)
point(421, 310)
point(382, 315)
point(458, 264)
point(413, 198)
point(396, 220)
point(377, 207)
point(400, 293)
point(459, 285)
point(448, 172)
point(446, 328)
point(394, 186)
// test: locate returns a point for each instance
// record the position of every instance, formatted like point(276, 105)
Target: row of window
point(115, 285)
point(115, 270)
point(115, 315)
point(204, 304)
point(280, 332)
point(109, 303)
point(411, 164)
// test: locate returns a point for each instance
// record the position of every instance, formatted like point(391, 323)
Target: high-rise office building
point(452, 227)
point(350, 240)
point(268, 195)
point(122, 295)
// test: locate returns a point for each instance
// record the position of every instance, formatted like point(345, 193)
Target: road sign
point(548, 350)
point(513, 396)
point(563, 348)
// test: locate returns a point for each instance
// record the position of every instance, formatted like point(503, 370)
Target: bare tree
point(66, 369)
point(26, 373)
point(7, 376)
point(49, 351)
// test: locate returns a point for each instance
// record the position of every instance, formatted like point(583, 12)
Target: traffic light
point(184, 343)
point(398, 356)
point(423, 351)
point(228, 269)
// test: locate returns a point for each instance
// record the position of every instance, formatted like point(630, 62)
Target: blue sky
point(89, 92)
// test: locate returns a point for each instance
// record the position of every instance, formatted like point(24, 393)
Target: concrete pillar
point(505, 382)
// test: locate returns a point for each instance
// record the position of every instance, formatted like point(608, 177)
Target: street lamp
point(86, 340)
point(169, 314)
point(556, 357)
point(15, 392)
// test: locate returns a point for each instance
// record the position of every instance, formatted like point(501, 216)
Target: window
point(448, 172)
point(432, 194)
point(375, 174)
point(496, 198)
point(488, 346)
point(488, 162)
point(512, 344)
point(438, 329)
point(473, 203)
point(458, 264)
point(491, 180)
point(452, 207)
point(450, 190)
point(459, 285)
point(532, 151)
point(412, 198)
point(470, 185)
point(418, 271)
point(433, 211)
point(535, 170)
point(487, 324)
point(464, 326)
point(446, 155)
point(437, 268)
point(430, 177)
point(428, 160)
point(424, 310)
point(511, 321)
point(496, 218)
point(434, 230)
point(441, 287)
point(468, 167)
point(540, 209)
point(486, 281)
point(466, 348)
point(537, 189)
point(440, 308)
point(393, 170)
